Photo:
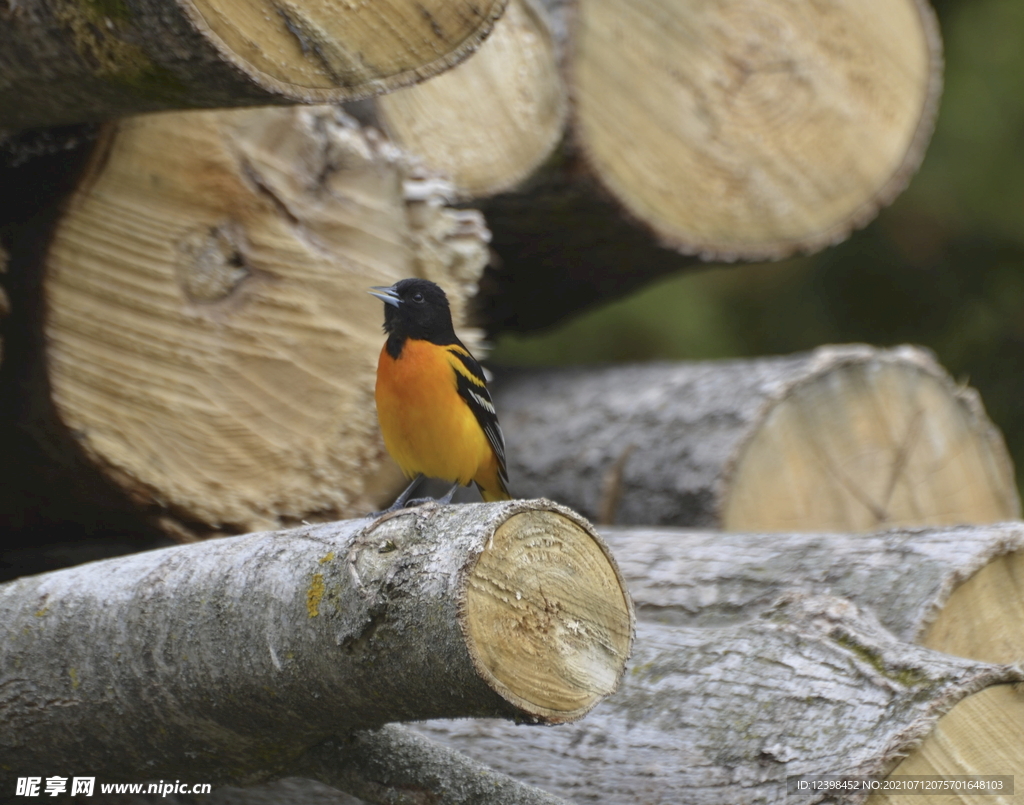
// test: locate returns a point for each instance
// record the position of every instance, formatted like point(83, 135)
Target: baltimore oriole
point(435, 412)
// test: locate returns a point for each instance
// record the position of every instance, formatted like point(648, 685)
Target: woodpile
point(209, 352)
point(722, 131)
point(187, 350)
point(761, 658)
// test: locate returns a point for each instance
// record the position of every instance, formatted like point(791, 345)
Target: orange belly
point(427, 426)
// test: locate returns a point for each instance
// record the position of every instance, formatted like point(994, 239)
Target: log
point(771, 128)
point(78, 61)
point(949, 589)
point(389, 765)
point(846, 438)
point(394, 764)
point(489, 123)
point(981, 734)
point(209, 351)
point(812, 686)
point(231, 658)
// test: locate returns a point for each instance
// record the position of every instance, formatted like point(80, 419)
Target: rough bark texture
point(74, 60)
point(209, 350)
point(844, 438)
point(229, 659)
point(390, 766)
point(395, 764)
point(910, 578)
point(810, 687)
point(489, 123)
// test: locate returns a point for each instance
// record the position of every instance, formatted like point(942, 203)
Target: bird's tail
point(494, 490)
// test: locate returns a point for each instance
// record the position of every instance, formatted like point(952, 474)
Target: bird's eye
point(417, 297)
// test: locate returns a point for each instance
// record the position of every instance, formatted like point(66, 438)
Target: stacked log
point(234, 660)
point(846, 438)
point(723, 132)
point(759, 659)
point(208, 351)
point(490, 123)
point(81, 61)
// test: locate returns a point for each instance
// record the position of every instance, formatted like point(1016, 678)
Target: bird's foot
point(403, 501)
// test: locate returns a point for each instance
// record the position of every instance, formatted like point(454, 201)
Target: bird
point(435, 413)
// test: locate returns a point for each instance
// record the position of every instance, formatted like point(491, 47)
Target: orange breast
point(427, 427)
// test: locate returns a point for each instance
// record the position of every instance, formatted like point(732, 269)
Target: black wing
point(472, 387)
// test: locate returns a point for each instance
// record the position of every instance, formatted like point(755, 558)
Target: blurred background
point(942, 267)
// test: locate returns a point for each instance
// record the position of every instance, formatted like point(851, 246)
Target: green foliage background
point(942, 267)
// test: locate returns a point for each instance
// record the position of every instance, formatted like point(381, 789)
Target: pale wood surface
point(984, 617)
point(845, 438)
point(210, 345)
point(490, 122)
point(983, 734)
point(536, 625)
point(229, 658)
point(73, 61)
point(752, 130)
point(365, 47)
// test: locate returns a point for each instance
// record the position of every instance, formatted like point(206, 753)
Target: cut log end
point(209, 342)
point(774, 128)
point(545, 581)
point(330, 52)
point(867, 445)
point(981, 735)
point(984, 617)
point(490, 122)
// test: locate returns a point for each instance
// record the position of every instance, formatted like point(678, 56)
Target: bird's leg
point(442, 501)
point(401, 499)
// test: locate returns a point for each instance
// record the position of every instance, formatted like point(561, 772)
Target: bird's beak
point(389, 296)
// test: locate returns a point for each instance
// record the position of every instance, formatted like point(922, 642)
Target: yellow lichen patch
point(325, 559)
point(314, 595)
point(96, 39)
point(73, 673)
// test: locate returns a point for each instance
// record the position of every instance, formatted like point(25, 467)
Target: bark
point(231, 658)
point(74, 61)
point(812, 686)
point(392, 765)
point(208, 352)
point(396, 765)
point(935, 587)
point(844, 438)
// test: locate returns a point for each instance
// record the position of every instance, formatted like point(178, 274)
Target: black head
point(416, 308)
